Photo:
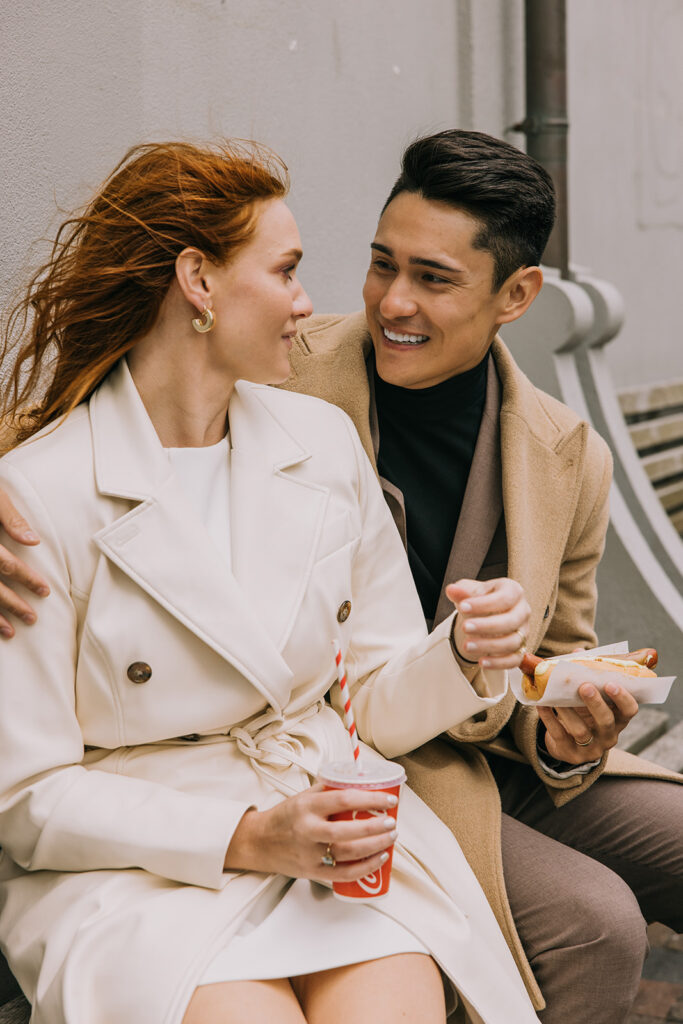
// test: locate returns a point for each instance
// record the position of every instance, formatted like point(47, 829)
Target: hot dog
point(536, 671)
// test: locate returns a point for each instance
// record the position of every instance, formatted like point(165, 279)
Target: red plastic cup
point(380, 776)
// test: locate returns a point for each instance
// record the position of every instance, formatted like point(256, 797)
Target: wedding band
point(586, 743)
point(522, 642)
point(327, 859)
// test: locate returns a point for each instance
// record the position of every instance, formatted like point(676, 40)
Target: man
point(486, 477)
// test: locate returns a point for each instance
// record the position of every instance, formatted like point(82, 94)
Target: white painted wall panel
point(337, 88)
point(626, 171)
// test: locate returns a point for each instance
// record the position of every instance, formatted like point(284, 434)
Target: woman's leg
point(245, 1002)
point(406, 986)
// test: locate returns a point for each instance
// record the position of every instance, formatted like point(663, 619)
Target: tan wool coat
point(553, 549)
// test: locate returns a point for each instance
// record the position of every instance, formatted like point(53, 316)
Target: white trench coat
point(159, 696)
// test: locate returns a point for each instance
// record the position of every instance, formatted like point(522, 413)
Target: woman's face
point(257, 300)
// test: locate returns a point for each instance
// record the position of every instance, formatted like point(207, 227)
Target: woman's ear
point(189, 267)
point(518, 292)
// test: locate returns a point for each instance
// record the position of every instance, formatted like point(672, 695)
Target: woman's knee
point(244, 1002)
point(405, 986)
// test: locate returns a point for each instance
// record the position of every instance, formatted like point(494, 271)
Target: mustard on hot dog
point(536, 672)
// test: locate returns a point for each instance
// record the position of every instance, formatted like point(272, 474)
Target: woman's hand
point(14, 570)
point(292, 837)
point(492, 621)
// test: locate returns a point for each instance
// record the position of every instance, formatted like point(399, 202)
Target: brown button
point(139, 672)
point(344, 611)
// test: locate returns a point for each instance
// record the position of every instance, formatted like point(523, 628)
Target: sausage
point(533, 684)
point(646, 656)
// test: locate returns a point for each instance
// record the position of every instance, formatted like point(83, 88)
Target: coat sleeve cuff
point(421, 694)
point(490, 685)
point(111, 821)
point(561, 786)
point(562, 769)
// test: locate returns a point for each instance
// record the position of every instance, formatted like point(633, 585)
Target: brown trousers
point(584, 879)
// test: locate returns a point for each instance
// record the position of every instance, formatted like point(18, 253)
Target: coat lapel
point(541, 464)
point(276, 514)
point(163, 546)
point(328, 360)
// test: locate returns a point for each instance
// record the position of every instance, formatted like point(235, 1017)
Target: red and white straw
point(346, 701)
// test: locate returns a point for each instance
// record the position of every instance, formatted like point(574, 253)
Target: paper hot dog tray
point(567, 676)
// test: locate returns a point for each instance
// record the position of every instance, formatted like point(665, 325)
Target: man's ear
point(518, 292)
point(190, 267)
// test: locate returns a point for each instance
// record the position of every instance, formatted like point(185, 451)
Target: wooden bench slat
point(648, 405)
point(651, 397)
point(649, 433)
point(671, 495)
point(663, 464)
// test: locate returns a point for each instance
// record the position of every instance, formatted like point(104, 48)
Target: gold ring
point(586, 743)
point(327, 859)
point(522, 642)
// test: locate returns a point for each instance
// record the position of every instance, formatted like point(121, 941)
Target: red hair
point(111, 266)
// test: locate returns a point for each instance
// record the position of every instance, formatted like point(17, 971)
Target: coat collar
point(542, 447)
point(328, 361)
point(163, 546)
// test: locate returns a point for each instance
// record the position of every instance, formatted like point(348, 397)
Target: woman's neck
point(184, 395)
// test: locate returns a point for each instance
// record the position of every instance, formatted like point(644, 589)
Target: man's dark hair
point(509, 193)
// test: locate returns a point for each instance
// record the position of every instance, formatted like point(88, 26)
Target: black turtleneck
point(427, 440)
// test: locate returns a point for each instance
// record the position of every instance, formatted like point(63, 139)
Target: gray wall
point(626, 163)
point(338, 87)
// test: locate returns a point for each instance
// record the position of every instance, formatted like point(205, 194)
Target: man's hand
point(14, 570)
point(581, 734)
point(492, 621)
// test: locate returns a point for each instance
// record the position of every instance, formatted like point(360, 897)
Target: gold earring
point(206, 322)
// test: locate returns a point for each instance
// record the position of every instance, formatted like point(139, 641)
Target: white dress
point(328, 933)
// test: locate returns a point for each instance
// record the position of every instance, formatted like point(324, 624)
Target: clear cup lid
point(374, 775)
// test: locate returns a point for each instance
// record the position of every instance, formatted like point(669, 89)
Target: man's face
point(427, 293)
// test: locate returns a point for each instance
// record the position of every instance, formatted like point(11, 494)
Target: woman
point(160, 726)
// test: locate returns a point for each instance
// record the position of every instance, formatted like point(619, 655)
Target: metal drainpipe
point(546, 125)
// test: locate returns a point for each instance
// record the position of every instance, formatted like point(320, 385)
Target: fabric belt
point(271, 743)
